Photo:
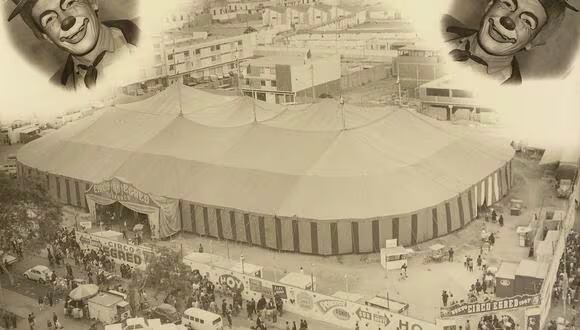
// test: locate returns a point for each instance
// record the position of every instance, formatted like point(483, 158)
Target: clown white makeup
point(509, 26)
point(72, 25)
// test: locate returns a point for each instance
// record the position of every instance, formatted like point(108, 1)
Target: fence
point(364, 76)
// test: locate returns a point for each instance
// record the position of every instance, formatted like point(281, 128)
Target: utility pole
point(312, 81)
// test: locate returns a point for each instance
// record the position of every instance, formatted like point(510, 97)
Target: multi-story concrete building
point(416, 65)
point(317, 16)
point(292, 3)
point(194, 56)
point(365, 39)
point(447, 99)
point(289, 79)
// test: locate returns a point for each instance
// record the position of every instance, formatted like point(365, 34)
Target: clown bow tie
point(92, 73)
point(464, 55)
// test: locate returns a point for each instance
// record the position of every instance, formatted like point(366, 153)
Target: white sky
point(544, 111)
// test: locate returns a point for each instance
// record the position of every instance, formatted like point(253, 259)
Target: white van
point(198, 319)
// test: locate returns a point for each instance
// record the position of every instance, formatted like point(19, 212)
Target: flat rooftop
point(280, 59)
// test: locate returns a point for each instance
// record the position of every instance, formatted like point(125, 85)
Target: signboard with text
point(120, 191)
point(491, 306)
point(122, 253)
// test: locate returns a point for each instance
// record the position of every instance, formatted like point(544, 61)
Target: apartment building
point(365, 39)
point(418, 64)
point(290, 78)
point(317, 16)
point(194, 56)
point(292, 3)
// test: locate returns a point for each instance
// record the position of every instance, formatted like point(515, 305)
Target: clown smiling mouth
point(77, 36)
point(496, 35)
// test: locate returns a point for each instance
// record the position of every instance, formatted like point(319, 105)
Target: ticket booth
point(393, 257)
point(505, 280)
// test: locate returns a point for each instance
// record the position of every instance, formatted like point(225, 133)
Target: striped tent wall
point(310, 236)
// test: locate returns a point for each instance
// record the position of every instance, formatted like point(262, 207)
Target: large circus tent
point(323, 178)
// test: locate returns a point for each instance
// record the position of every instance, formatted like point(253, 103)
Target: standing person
point(249, 309)
point(54, 318)
point(287, 326)
point(49, 325)
point(200, 248)
point(491, 239)
point(31, 321)
point(479, 261)
point(50, 296)
point(444, 298)
point(451, 252)
point(40, 302)
point(229, 317)
point(294, 325)
point(500, 220)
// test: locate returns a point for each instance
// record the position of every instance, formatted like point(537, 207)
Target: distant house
point(274, 16)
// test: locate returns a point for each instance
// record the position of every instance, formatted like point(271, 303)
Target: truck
point(109, 307)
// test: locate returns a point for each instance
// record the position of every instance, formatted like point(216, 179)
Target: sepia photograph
point(290, 165)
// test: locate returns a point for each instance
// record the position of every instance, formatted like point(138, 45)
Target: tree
point(167, 272)
point(28, 213)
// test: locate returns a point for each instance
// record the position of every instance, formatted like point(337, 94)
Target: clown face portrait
point(86, 44)
point(500, 38)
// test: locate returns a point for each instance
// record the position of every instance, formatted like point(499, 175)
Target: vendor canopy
point(235, 152)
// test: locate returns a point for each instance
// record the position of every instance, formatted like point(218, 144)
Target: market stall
point(529, 277)
point(505, 280)
point(109, 307)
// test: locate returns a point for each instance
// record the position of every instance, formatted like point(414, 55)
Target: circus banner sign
point(121, 253)
point(491, 306)
point(118, 190)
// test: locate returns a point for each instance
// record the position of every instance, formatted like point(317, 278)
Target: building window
point(461, 93)
point(170, 57)
point(232, 66)
point(247, 81)
point(289, 98)
point(383, 47)
point(317, 16)
point(240, 42)
point(261, 96)
point(437, 92)
point(273, 83)
point(197, 51)
point(186, 53)
point(217, 47)
point(171, 67)
point(214, 58)
point(262, 83)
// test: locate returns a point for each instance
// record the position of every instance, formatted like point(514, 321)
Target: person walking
point(40, 302)
point(50, 296)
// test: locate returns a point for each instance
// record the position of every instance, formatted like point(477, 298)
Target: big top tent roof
point(316, 161)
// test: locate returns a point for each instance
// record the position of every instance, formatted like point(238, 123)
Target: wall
point(317, 306)
point(362, 77)
point(324, 69)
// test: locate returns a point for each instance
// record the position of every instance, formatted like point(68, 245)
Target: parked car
point(166, 313)
point(39, 273)
point(8, 260)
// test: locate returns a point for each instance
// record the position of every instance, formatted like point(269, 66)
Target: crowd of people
point(568, 269)
point(491, 321)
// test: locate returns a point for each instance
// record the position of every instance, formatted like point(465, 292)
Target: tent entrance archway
point(163, 217)
point(118, 217)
